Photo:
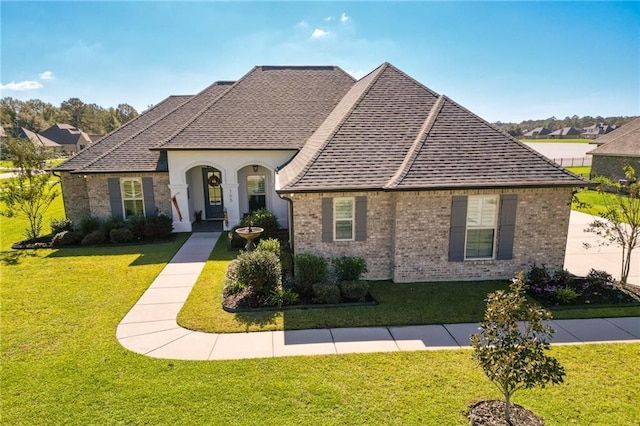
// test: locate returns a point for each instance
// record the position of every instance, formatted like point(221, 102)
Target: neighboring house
point(382, 168)
point(538, 132)
point(70, 138)
point(37, 139)
point(597, 130)
point(618, 148)
point(564, 133)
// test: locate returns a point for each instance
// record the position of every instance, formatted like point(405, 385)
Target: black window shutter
point(327, 220)
point(507, 226)
point(115, 197)
point(149, 199)
point(361, 218)
point(458, 228)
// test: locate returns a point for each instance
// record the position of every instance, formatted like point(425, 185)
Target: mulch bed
point(491, 413)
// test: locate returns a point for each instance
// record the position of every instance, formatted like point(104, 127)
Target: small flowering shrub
point(562, 288)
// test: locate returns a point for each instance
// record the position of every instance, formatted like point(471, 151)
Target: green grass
point(584, 171)
point(61, 363)
point(594, 200)
point(577, 140)
point(399, 304)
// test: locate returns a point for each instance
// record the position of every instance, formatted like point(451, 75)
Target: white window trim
point(353, 218)
point(123, 199)
point(495, 228)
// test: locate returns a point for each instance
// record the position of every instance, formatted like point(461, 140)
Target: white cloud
point(329, 18)
point(47, 75)
point(303, 24)
point(21, 85)
point(344, 18)
point(318, 33)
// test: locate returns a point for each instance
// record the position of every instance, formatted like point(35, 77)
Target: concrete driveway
point(579, 260)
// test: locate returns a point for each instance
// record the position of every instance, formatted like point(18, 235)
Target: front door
point(213, 203)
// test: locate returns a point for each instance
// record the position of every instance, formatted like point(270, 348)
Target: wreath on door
point(214, 180)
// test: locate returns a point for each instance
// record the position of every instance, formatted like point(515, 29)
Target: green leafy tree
point(30, 192)
point(620, 222)
point(512, 342)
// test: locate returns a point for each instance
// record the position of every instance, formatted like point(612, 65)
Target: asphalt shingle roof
point(624, 141)
point(398, 134)
point(271, 107)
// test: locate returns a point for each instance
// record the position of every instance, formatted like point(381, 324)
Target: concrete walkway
point(150, 328)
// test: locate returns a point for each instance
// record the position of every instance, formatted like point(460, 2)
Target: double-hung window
point(482, 215)
point(132, 197)
point(343, 219)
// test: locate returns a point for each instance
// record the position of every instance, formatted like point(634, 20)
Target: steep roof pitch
point(565, 131)
point(65, 134)
point(624, 141)
point(82, 160)
point(271, 107)
point(36, 138)
point(396, 134)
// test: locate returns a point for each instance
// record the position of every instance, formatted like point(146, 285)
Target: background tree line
point(553, 123)
point(37, 115)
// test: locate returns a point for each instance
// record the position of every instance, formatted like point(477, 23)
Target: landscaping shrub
point(309, 269)
point(95, 237)
point(113, 222)
point(67, 238)
point(354, 291)
point(349, 268)
point(158, 227)
point(121, 235)
point(61, 225)
point(281, 297)
point(137, 225)
point(565, 295)
point(270, 244)
point(88, 224)
point(326, 293)
point(231, 283)
point(259, 271)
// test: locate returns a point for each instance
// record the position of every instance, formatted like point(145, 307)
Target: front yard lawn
point(60, 362)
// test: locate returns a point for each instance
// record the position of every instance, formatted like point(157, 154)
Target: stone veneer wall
point(89, 194)
point(408, 234)
point(611, 166)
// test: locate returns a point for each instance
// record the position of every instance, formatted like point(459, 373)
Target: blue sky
point(506, 61)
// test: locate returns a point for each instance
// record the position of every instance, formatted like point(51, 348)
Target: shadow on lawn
point(260, 319)
point(13, 257)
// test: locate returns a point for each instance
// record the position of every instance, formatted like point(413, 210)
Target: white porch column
point(231, 204)
point(179, 194)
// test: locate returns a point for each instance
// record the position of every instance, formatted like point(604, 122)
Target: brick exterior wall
point(612, 166)
point(408, 234)
point(89, 194)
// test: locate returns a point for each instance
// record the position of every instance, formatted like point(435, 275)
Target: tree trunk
point(507, 408)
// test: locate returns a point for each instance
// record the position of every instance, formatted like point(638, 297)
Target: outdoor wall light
point(255, 168)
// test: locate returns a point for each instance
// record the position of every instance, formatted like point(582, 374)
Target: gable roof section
point(623, 142)
point(365, 147)
point(400, 135)
point(95, 151)
point(271, 107)
point(37, 139)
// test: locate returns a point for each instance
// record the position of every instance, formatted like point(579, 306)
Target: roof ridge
point(132, 136)
point(417, 143)
point(203, 109)
point(303, 171)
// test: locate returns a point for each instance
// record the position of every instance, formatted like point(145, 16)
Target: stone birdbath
point(249, 233)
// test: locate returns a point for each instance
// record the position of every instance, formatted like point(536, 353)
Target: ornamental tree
point(512, 342)
point(619, 223)
point(30, 192)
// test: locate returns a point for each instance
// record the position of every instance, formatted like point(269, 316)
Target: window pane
point(344, 209)
point(480, 243)
point(481, 212)
point(344, 230)
point(215, 192)
point(132, 189)
point(256, 185)
point(133, 208)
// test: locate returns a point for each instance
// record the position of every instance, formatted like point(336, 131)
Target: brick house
point(618, 148)
point(382, 168)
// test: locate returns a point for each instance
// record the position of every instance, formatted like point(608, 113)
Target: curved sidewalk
point(150, 327)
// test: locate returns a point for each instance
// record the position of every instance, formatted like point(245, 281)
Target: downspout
point(284, 197)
